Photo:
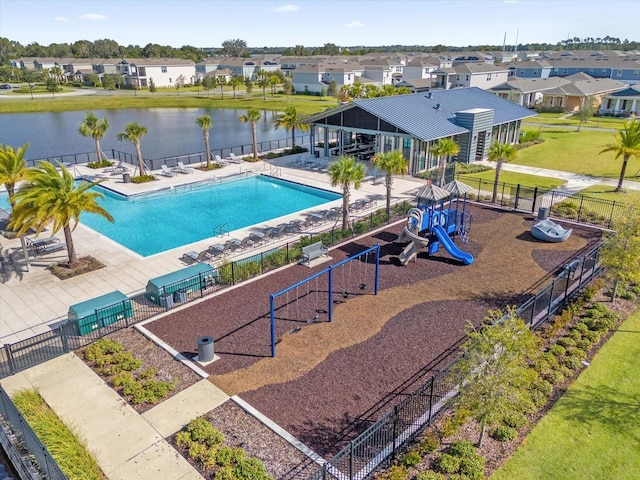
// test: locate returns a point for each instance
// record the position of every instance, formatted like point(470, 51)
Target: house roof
point(478, 68)
point(632, 91)
point(430, 116)
point(584, 88)
point(529, 85)
point(152, 62)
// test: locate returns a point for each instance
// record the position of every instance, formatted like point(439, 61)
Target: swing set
point(307, 302)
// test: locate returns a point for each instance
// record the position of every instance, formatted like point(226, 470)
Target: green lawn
point(516, 178)
point(593, 431)
point(605, 192)
point(594, 122)
point(306, 105)
point(579, 152)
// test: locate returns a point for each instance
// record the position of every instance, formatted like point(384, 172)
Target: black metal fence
point(28, 440)
point(172, 161)
point(575, 207)
point(376, 447)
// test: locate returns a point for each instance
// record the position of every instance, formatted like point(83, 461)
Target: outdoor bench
point(312, 251)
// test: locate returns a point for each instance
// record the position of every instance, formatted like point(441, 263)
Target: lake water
point(170, 131)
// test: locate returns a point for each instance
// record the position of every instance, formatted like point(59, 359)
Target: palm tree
point(253, 116)
point(289, 120)
point(263, 83)
point(235, 82)
point(50, 196)
point(500, 153)
point(444, 148)
point(133, 132)
point(204, 122)
point(346, 171)
point(13, 168)
point(393, 163)
point(93, 127)
point(626, 145)
point(221, 81)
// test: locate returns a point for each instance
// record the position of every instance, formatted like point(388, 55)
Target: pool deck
point(34, 301)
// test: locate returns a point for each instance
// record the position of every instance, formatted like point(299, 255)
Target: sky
point(311, 23)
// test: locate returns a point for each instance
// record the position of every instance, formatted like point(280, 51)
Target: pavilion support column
point(326, 142)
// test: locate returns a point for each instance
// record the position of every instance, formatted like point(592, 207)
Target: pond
point(170, 131)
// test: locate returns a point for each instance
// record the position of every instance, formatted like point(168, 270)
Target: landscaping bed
point(167, 369)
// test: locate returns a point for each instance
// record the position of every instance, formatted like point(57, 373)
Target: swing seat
point(313, 251)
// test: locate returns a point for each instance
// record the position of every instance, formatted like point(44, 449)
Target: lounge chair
point(195, 257)
point(216, 250)
point(166, 172)
point(117, 170)
point(257, 238)
point(218, 159)
point(233, 159)
point(181, 168)
point(246, 242)
point(311, 221)
point(39, 243)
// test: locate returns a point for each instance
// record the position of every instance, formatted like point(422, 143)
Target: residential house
point(527, 92)
point(530, 69)
point(165, 72)
point(481, 75)
point(623, 103)
point(572, 95)
point(420, 68)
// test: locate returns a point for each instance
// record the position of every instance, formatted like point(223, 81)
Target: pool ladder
point(221, 230)
point(275, 172)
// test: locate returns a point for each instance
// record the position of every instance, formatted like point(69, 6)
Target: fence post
point(12, 367)
point(233, 273)
point(395, 431)
point(566, 287)
point(351, 460)
point(613, 208)
point(553, 287)
point(515, 205)
point(580, 207)
point(64, 339)
point(535, 199)
point(430, 400)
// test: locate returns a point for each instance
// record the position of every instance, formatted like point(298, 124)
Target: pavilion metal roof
point(431, 115)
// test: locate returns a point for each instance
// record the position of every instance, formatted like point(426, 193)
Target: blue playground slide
point(451, 247)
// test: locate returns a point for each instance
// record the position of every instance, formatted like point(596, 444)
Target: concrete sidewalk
point(574, 181)
point(127, 445)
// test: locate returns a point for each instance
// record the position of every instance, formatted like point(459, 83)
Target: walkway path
point(127, 445)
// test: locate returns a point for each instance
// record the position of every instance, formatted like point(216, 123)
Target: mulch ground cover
point(329, 381)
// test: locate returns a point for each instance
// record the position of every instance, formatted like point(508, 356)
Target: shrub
point(395, 472)
point(557, 350)
point(538, 399)
point(201, 430)
point(565, 371)
point(629, 295)
point(515, 420)
point(585, 344)
point(589, 292)
point(430, 475)
point(428, 444)
point(592, 336)
point(578, 353)
point(503, 433)
point(566, 342)
point(571, 362)
point(251, 469)
point(101, 352)
point(473, 467)
point(125, 362)
point(554, 377)
point(229, 456)
point(567, 209)
point(581, 327)
point(143, 178)
point(411, 458)
point(575, 335)
point(101, 164)
point(448, 463)
point(462, 448)
point(543, 386)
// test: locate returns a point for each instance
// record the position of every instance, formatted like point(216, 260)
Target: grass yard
point(515, 178)
point(306, 105)
point(578, 152)
point(593, 431)
point(594, 122)
point(605, 192)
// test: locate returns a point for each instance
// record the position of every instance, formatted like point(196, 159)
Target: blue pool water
point(156, 222)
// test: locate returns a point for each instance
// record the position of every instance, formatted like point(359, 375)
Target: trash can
point(543, 213)
point(166, 300)
point(180, 296)
point(205, 349)
point(126, 177)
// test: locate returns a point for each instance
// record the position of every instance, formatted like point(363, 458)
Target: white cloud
point(61, 19)
point(94, 17)
point(354, 24)
point(510, 1)
point(285, 9)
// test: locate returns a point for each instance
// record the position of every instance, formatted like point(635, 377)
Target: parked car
point(5, 86)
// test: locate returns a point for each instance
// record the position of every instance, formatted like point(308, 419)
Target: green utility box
point(99, 312)
point(161, 290)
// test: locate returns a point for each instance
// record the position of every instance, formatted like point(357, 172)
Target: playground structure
point(431, 225)
point(308, 302)
point(549, 231)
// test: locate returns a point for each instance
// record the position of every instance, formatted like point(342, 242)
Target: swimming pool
point(159, 221)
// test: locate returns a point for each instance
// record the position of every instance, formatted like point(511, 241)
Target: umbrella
point(432, 193)
point(458, 188)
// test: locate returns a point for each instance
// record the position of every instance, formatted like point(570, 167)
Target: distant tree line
point(106, 48)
